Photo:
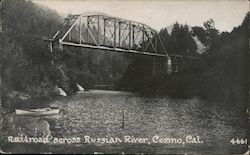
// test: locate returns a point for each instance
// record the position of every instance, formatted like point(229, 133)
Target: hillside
point(27, 62)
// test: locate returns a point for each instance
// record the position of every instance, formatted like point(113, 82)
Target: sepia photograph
point(125, 77)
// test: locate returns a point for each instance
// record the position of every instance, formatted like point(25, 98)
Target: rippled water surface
point(115, 114)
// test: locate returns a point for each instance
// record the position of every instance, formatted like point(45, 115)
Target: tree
point(200, 33)
point(24, 56)
point(166, 40)
point(212, 35)
point(182, 40)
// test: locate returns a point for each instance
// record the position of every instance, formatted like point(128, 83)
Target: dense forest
point(220, 72)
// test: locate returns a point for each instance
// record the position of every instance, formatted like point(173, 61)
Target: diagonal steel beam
point(92, 36)
point(70, 29)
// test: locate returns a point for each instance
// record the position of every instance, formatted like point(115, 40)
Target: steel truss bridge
point(104, 32)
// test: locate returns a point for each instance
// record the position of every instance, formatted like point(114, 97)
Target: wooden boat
point(38, 111)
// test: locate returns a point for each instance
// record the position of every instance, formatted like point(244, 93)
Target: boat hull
point(36, 112)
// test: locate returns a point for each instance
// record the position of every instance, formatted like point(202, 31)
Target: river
point(99, 113)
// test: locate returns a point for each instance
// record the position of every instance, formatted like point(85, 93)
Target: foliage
point(26, 60)
point(225, 71)
point(180, 40)
point(219, 74)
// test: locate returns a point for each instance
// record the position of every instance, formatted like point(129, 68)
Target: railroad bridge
point(104, 32)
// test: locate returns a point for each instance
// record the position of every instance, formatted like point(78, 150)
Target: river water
point(99, 113)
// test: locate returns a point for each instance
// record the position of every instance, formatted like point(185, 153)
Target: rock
point(80, 88)
point(31, 126)
point(60, 91)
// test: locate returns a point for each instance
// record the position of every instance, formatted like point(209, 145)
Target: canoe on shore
point(38, 111)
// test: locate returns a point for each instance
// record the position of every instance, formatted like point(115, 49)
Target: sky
point(160, 13)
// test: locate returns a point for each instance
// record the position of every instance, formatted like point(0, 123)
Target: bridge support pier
point(161, 66)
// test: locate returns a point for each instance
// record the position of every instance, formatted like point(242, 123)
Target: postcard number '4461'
point(238, 141)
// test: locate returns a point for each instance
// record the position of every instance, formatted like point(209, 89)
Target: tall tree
point(182, 40)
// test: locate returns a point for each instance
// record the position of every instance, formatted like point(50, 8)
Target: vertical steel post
point(114, 32)
point(98, 30)
point(87, 29)
point(133, 36)
point(80, 30)
point(129, 43)
point(143, 36)
point(119, 34)
point(104, 31)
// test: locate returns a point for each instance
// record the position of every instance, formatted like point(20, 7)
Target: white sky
point(160, 13)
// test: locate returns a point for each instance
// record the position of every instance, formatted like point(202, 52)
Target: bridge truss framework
point(104, 32)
